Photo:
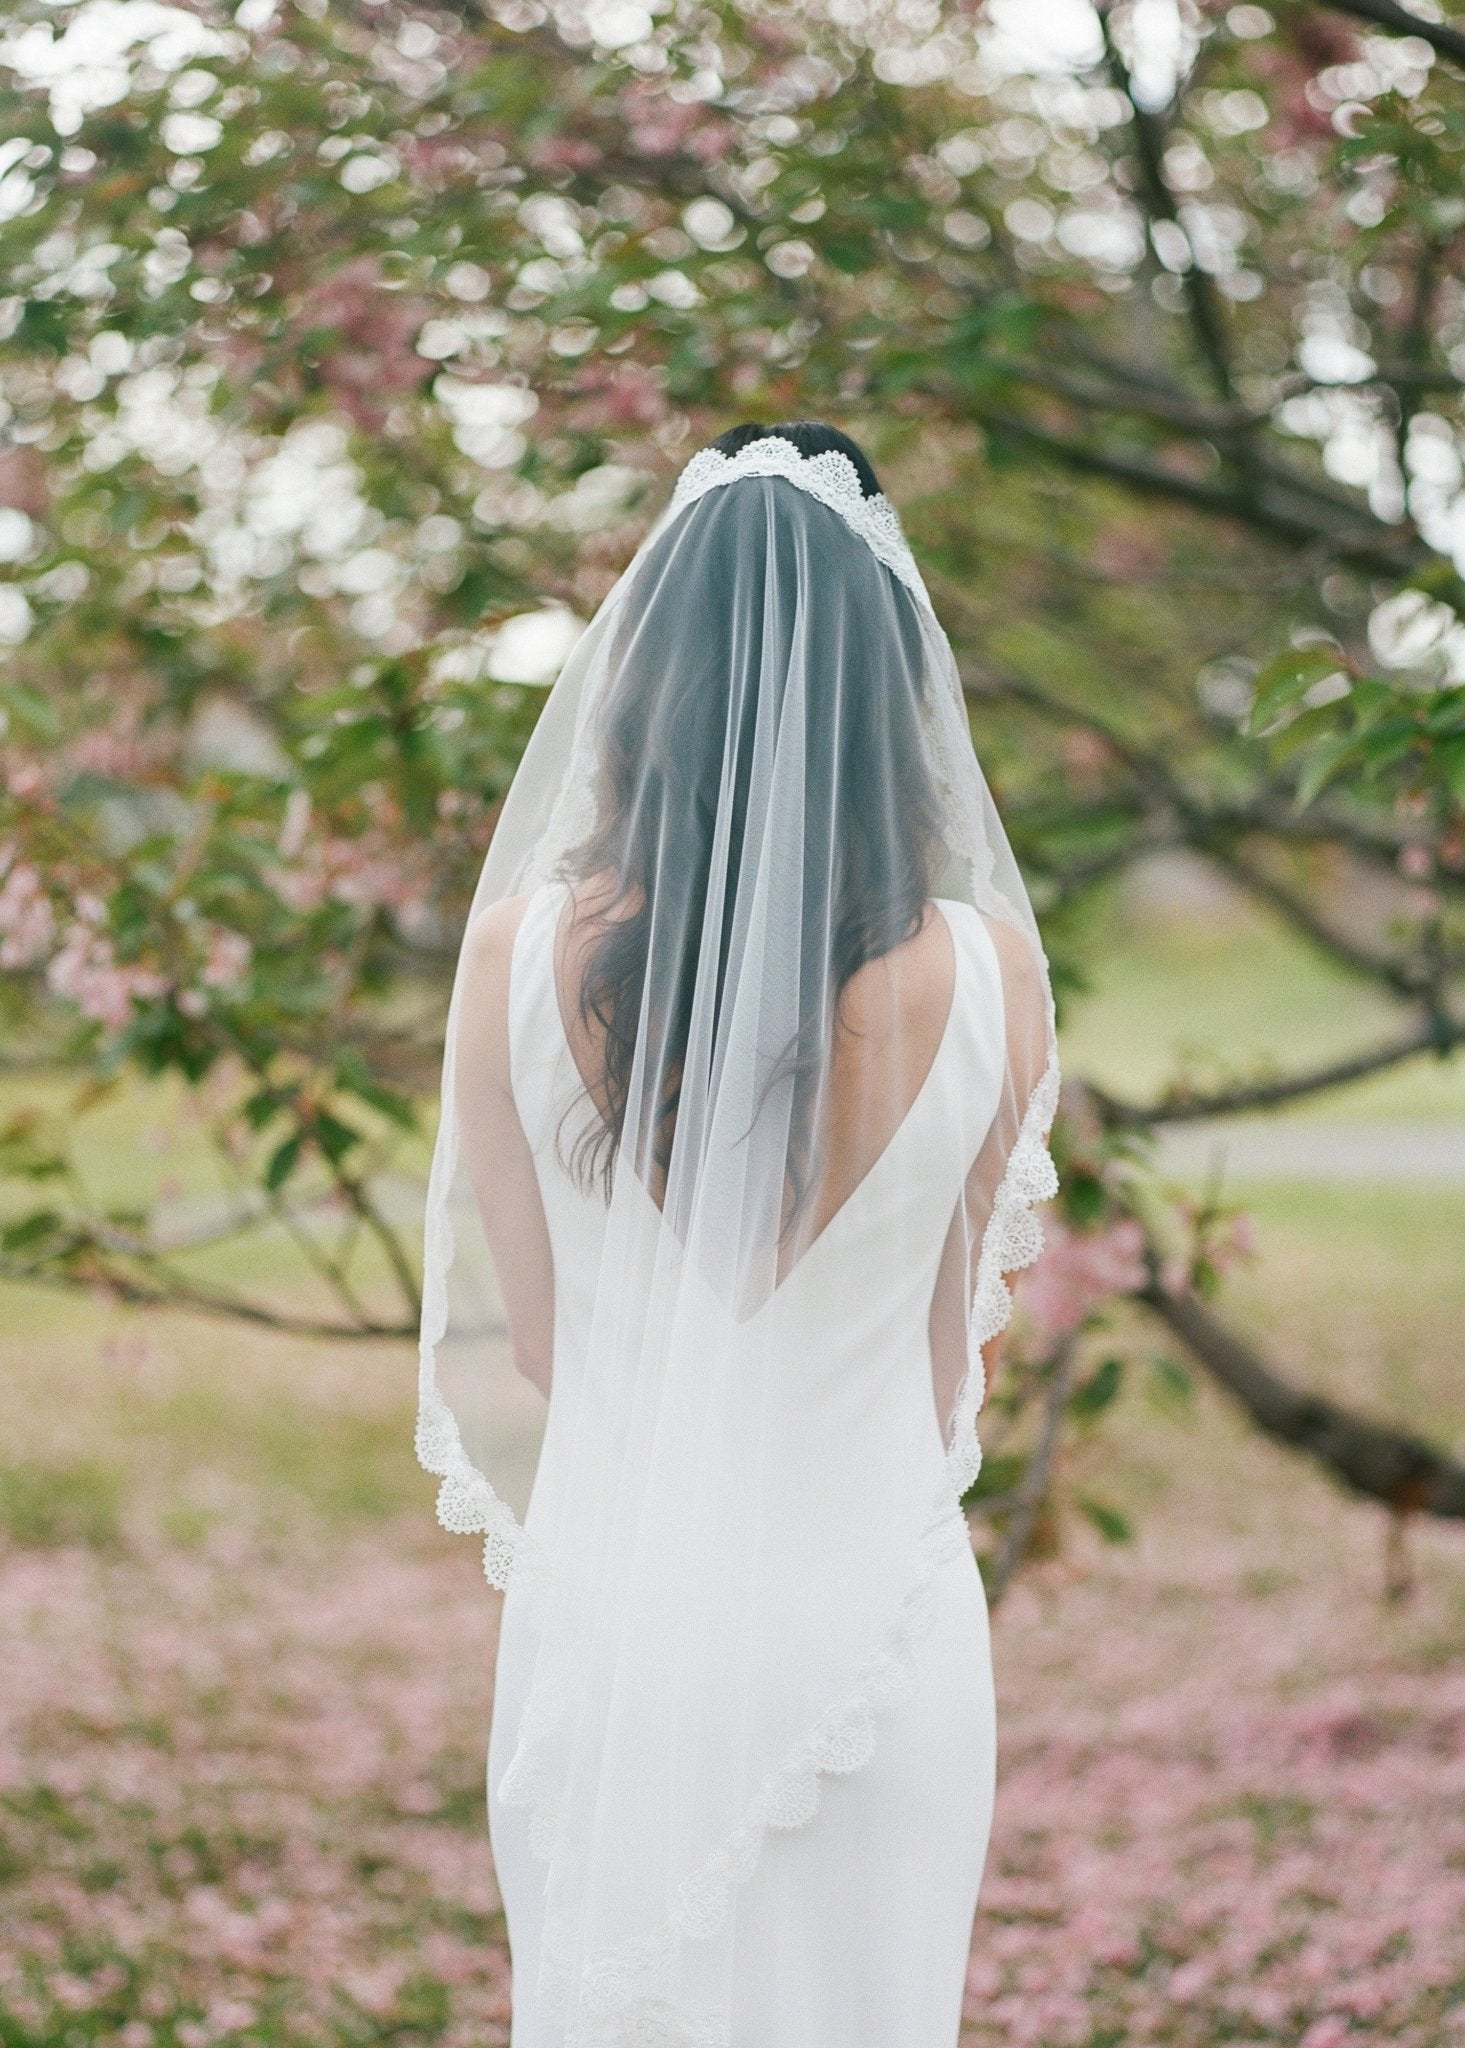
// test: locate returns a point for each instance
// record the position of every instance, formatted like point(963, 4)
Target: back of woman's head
point(762, 704)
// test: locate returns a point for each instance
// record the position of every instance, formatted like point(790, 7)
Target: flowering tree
point(346, 351)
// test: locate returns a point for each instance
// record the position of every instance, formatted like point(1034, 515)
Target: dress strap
point(537, 1045)
point(978, 1033)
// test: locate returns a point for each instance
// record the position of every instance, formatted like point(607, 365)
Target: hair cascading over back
point(674, 736)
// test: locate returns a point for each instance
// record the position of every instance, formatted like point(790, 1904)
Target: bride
point(749, 1067)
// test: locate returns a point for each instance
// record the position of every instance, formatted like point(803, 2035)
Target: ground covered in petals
point(244, 1691)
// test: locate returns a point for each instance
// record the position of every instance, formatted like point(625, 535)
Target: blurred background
point(347, 350)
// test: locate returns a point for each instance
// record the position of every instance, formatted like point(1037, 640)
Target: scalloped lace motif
point(622, 1998)
point(841, 1742)
point(831, 478)
point(466, 1503)
point(1012, 1239)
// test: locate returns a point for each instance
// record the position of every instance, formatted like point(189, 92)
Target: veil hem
point(624, 1995)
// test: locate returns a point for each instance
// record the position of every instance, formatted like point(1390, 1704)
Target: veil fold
point(776, 1055)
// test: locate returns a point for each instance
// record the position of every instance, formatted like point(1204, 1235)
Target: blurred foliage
point(340, 338)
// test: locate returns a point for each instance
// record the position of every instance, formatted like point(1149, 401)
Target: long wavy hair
point(664, 736)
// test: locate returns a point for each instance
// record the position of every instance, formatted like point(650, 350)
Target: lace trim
point(831, 478)
point(1013, 1239)
point(466, 1503)
point(621, 2002)
point(624, 1998)
point(841, 1742)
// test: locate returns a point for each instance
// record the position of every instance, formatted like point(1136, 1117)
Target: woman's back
point(918, 1057)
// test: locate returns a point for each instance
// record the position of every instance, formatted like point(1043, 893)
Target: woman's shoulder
point(488, 948)
point(1017, 951)
point(914, 976)
point(493, 931)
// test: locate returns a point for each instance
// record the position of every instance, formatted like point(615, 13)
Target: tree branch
point(1186, 1107)
point(1206, 316)
point(1403, 1471)
point(1442, 36)
point(1367, 550)
point(1411, 979)
point(183, 1294)
point(372, 1220)
point(1027, 1497)
point(1162, 406)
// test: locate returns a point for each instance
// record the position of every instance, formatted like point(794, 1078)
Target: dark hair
point(663, 737)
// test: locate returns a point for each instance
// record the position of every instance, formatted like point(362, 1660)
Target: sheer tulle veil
point(750, 810)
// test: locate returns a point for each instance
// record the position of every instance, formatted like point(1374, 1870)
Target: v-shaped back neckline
point(558, 895)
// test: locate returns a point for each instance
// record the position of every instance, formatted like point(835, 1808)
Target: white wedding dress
point(854, 1906)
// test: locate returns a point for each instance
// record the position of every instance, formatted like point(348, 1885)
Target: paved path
point(1267, 1148)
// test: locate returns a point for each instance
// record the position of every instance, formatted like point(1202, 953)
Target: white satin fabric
point(851, 1929)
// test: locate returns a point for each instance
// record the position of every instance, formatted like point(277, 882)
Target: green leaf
point(849, 257)
point(1322, 766)
point(283, 1162)
point(1097, 1391)
point(1084, 1198)
point(33, 713)
point(1452, 760)
point(353, 1075)
point(1171, 1383)
point(28, 1233)
point(999, 1474)
point(1285, 678)
point(260, 1108)
point(1320, 722)
point(1111, 1525)
point(334, 1137)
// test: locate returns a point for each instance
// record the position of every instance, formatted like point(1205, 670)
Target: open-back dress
point(853, 1929)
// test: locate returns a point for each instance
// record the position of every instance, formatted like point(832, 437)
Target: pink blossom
point(712, 141)
point(117, 750)
point(228, 958)
point(25, 479)
point(617, 394)
point(1243, 1237)
point(1328, 2032)
point(563, 153)
point(1078, 1271)
point(372, 357)
point(656, 125)
point(88, 973)
point(27, 921)
point(371, 871)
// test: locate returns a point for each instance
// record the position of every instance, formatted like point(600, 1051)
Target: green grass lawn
point(1230, 996)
